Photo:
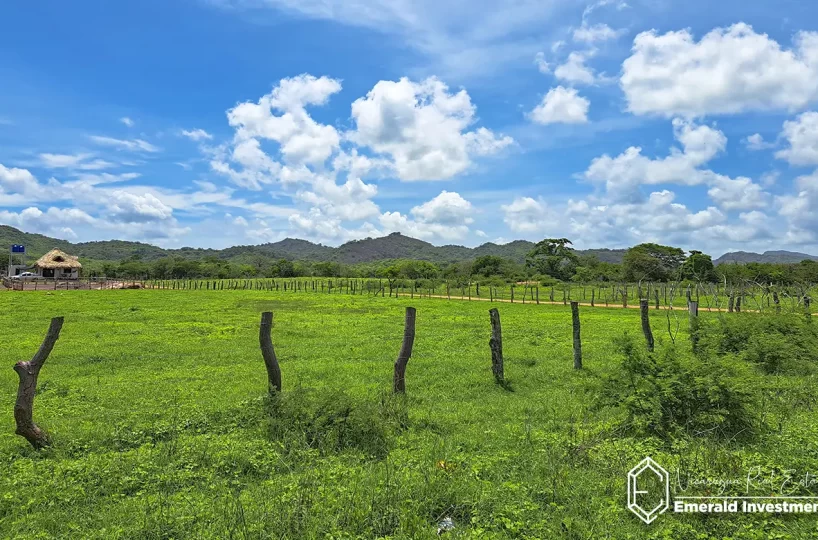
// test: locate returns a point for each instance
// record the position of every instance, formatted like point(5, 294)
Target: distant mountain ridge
point(393, 246)
point(779, 256)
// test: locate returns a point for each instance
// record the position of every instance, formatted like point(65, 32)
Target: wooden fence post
point(656, 294)
point(643, 308)
point(496, 346)
point(577, 340)
point(693, 316)
point(399, 379)
point(593, 294)
point(807, 310)
point(28, 372)
point(268, 353)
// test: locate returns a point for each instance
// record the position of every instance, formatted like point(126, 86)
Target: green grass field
point(156, 403)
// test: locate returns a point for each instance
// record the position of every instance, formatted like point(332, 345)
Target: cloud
point(448, 208)
point(127, 121)
point(131, 208)
point(446, 217)
point(798, 209)
point(301, 139)
point(622, 174)
point(574, 69)
point(802, 136)
point(350, 201)
point(526, 215)
point(737, 194)
point(197, 135)
point(756, 142)
point(19, 181)
point(467, 39)
point(422, 128)
point(596, 32)
point(123, 144)
point(561, 105)
point(730, 70)
point(315, 224)
point(542, 65)
point(52, 221)
point(73, 161)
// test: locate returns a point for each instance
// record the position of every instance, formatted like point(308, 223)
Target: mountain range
point(393, 246)
point(785, 257)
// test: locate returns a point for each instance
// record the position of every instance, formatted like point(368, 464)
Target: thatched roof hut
point(57, 259)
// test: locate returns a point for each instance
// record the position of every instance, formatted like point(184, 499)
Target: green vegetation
point(157, 404)
point(549, 262)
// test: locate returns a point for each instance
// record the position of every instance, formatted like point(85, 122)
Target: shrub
point(776, 343)
point(333, 422)
point(548, 281)
point(667, 394)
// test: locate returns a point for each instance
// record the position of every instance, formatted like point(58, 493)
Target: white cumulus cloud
point(730, 70)
point(561, 105)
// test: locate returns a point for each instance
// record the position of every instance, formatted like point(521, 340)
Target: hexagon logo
point(648, 490)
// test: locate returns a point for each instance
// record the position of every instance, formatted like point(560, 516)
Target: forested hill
point(393, 246)
point(772, 257)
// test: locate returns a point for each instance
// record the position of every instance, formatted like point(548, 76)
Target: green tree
point(553, 257)
point(327, 269)
point(652, 262)
point(489, 265)
point(698, 267)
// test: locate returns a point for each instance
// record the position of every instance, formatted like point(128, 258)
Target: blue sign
point(18, 248)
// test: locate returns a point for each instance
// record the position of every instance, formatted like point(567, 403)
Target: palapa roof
point(57, 259)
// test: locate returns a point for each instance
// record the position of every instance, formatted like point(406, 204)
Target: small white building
point(57, 264)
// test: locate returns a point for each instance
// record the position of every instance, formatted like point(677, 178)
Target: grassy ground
point(155, 402)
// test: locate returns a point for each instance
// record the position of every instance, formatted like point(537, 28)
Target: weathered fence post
point(496, 345)
point(693, 316)
point(593, 293)
point(643, 308)
point(399, 380)
point(268, 353)
point(577, 340)
point(656, 295)
point(28, 372)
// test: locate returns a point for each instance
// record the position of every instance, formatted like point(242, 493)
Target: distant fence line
point(53, 284)
point(710, 296)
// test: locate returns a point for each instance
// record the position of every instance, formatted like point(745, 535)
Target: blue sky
point(220, 122)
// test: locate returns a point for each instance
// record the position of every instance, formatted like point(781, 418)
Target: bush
point(666, 394)
point(333, 422)
point(776, 343)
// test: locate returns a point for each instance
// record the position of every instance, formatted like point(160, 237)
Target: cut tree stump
point(28, 372)
point(268, 352)
point(496, 345)
point(399, 380)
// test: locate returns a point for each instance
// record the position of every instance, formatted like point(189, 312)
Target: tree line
point(551, 261)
